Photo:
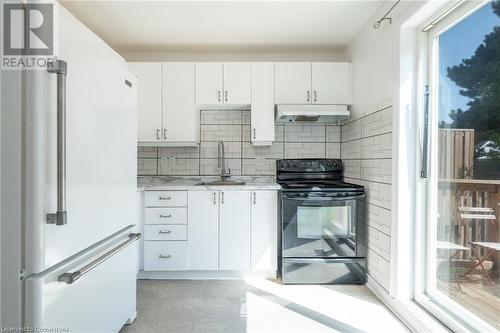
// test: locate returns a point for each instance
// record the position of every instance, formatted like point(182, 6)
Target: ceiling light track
point(377, 24)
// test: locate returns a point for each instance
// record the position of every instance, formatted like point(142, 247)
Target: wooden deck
point(477, 296)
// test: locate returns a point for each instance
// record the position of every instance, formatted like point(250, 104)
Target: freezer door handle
point(59, 67)
point(71, 277)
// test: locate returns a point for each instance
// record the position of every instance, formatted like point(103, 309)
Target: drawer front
point(165, 198)
point(158, 215)
point(165, 255)
point(165, 232)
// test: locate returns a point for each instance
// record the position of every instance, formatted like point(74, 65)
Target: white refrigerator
point(77, 271)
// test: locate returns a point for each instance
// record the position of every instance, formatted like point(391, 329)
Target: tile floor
point(257, 305)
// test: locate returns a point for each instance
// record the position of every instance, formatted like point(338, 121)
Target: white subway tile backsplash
point(352, 169)
point(220, 132)
point(305, 150)
point(305, 133)
point(179, 166)
point(351, 131)
point(147, 166)
point(351, 150)
point(332, 150)
point(147, 152)
point(179, 152)
point(379, 146)
point(259, 167)
point(377, 170)
point(333, 133)
point(275, 151)
point(211, 149)
point(224, 117)
point(208, 167)
point(377, 123)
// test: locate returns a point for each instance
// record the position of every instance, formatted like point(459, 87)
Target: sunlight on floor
point(340, 305)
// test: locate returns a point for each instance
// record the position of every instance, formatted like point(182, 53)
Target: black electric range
point(321, 223)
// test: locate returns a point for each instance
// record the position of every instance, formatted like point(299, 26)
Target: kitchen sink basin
point(222, 183)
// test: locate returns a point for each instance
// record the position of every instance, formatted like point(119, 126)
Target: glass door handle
point(423, 170)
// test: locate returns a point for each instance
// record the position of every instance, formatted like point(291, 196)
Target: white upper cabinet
point(331, 83)
point(149, 97)
point(292, 82)
point(313, 83)
point(223, 83)
point(235, 231)
point(180, 116)
point(237, 81)
point(209, 87)
point(262, 103)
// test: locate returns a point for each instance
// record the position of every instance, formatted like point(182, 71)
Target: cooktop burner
point(313, 175)
point(320, 186)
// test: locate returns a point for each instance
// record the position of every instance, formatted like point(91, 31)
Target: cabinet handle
point(254, 134)
point(222, 198)
point(164, 198)
point(218, 95)
point(215, 198)
point(158, 134)
point(161, 232)
point(165, 216)
point(161, 256)
point(308, 99)
point(254, 198)
point(315, 96)
point(164, 134)
point(225, 95)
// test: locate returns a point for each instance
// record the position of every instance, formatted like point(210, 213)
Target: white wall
point(367, 144)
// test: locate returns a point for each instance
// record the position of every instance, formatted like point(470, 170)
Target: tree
point(479, 78)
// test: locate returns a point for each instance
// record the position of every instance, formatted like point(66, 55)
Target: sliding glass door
point(463, 221)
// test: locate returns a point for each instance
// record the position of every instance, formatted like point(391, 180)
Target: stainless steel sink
point(222, 183)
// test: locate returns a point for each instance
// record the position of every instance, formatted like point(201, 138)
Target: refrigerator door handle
point(59, 67)
point(71, 277)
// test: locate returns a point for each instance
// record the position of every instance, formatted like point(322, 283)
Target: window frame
point(451, 313)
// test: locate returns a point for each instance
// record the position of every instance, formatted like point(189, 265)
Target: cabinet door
point(234, 230)
point(264, 230)
point(148, 100)
point(237, 83)
point(209, 88)
point(331, 83)
point(203, 230)
point(180, 116)
point(262, 109)
point(293, 82)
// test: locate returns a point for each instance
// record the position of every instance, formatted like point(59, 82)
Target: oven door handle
point(322, 199)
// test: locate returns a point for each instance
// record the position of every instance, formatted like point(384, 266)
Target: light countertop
point(183, 183)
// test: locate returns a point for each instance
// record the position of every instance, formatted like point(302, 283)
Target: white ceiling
point(251, 26)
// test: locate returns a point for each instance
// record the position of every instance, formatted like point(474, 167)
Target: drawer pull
point(164, 198)
point(161, 232)
point(161, 256)
point(165, 216)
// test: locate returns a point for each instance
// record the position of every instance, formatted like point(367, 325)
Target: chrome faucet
point(221, 162)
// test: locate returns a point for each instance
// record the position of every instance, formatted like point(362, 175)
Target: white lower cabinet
point(165, 255)
point(216, 230)
point(203, 230)
point(234, 224)
point(264, 230)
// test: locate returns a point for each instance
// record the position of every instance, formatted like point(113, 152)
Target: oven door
point(320, 224)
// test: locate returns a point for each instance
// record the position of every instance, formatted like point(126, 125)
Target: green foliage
point(479, 78)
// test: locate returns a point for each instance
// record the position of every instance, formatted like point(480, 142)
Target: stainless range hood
point(311, 113)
